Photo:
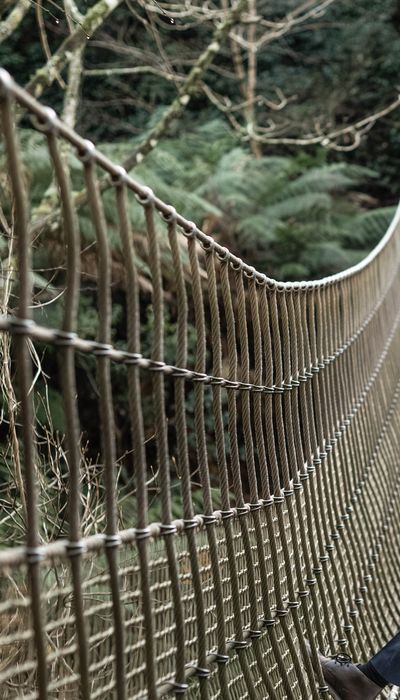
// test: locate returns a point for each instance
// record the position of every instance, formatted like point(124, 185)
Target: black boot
point(345, 680)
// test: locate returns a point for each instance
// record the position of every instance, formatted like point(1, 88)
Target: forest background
point(274, 124)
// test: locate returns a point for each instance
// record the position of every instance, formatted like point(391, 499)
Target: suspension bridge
point(301, 384)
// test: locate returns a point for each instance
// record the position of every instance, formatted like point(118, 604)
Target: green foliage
point(333, 69)
point(367, 227)
point(291, 223)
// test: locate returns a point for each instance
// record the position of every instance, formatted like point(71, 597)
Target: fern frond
point(371, 225)
point(327, 256)
point(301, 206)
point(257, 229)
point(328, 178)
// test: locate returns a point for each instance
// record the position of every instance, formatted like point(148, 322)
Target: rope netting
point(280, 408)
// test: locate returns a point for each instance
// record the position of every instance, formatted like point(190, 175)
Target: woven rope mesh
point(277, 407)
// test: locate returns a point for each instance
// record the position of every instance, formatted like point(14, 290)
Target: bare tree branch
point(309, 9)
point(196, 13)
point(43, 38)
point(9, 25)
point(71, 99)
point(331, 139)
point(249, 108)
point(189, 87)
point(249, 116)
point(90, 22)
point(72, 12)
point(136, 70)
point(225, 105)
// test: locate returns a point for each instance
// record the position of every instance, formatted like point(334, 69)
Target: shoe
point(344, 679)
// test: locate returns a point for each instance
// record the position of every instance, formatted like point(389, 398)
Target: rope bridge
point(287, 401)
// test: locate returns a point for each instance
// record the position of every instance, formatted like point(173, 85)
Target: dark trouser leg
point(384, 667)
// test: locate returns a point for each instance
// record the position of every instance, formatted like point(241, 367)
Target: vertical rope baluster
point(287, 419)
point(256, 300)
point(25, 377)
point(223, 469)
point(268, 402)
point(167, 529)
point(202, 460)
point(278, 383)
point(224, 486)
point(296, 309)
point(360, 541)
point(306, 324)
point(306, 486)
point(274, 345)
point(371, 506)
point(250, 467)
point(314, 368)
point(323, 364)
point(338, 377)
point(387, 538)
point(366, 441)
point(183, 459)
point(328, 428)
point(301, 484)
point(297, 364)
point(257, 296)
point(389, 379)
point(112, 540)
point(313, 411)
point(377, 506)
point(307, 479)
point(273, 479)
point(355, 531)
point(330, 342)
point(289, 367)
point(69, 392)
point(345, 569)
point(363, 513)
point(138, 440)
